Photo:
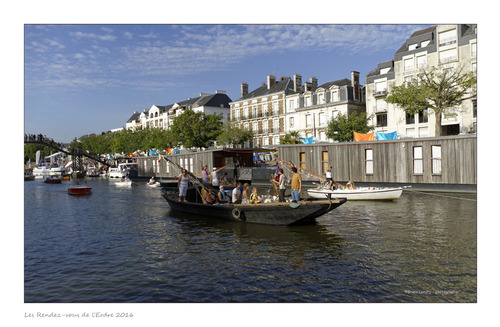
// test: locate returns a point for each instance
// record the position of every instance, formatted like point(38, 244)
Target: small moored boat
point(53, 180)
point(358, 193)
point(29, 177)
point(79, 190)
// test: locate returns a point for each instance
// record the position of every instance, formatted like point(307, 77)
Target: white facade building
point(440, 46)
point(163, 116)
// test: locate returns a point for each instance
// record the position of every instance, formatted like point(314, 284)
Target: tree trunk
point(437, 127)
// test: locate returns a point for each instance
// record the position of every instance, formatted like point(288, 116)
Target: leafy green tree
point(291, 138)
point(234, 135)
point(30, 150)
point(195, 129)
point(436, 90)
point(342, 127)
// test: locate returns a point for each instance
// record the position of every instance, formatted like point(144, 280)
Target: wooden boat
point(53, 180)
point(79, 190)
point(278, 213)
point(358, 193)
point(29, 177)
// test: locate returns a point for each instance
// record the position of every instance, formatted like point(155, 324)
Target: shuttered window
point(302, 160)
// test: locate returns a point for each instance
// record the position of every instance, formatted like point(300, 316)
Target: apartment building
point(263, 110)
point(287, 105)
point(164, 116)
point(440, 46)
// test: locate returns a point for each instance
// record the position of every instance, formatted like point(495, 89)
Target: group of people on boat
point(239, 195)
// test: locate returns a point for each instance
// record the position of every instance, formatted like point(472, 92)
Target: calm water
point(125, 245)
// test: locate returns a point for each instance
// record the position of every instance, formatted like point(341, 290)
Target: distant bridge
point(75, 152)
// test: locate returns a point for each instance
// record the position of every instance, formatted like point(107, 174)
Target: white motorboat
point(124, 182)
point(123, 170)
point(358, 193)
point(153, 184)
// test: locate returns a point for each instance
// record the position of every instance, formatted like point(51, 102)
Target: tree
point(234, 135)
point(291, 138)
point(435, 90)
point(195, 129)
point(342, 127)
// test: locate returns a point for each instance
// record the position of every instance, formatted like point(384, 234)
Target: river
point(124, 245)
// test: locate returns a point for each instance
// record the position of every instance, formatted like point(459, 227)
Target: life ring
point(236, 213)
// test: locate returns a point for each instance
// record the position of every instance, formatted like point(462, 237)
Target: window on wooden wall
point(324, 161)
point(302, 160)
point(369, 161)
point(418, 163)
point(436, 159)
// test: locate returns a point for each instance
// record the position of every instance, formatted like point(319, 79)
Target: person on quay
point(222, 195)
point(296, 185)
point(215, 176)
point(183, 184)
point(237, 194)
point(254, 197)
point(245, 198)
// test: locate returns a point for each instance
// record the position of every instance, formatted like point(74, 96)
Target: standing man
point(281, 184)
point(215, 176)
point(296, 185)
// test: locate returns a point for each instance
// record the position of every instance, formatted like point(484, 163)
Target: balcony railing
point(380, 93)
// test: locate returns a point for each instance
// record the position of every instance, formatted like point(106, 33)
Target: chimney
point(314, 82)
point(271, 81)
point(355, 84)
point(297, 82)
point(244, 88)
point(307, 86)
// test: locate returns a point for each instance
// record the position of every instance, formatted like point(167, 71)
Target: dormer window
point(412, 46)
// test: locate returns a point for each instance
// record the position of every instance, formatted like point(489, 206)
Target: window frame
point(367, 161)
point(420, 160)
point(436, 159)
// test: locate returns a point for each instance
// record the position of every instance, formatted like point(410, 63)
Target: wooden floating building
point(440, 163)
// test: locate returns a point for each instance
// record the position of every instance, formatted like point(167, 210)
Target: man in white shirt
point(237, 193)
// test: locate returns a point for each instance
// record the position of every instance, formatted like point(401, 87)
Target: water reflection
point(125, 245)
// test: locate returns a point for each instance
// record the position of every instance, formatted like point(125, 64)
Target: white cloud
point(128, 35)
point(101, 37)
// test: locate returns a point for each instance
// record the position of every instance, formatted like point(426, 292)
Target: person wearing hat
point(215, 176)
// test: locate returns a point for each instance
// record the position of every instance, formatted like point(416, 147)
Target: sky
point(90, 78)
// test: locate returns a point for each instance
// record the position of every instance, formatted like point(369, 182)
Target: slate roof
point(135, 116)
point(285, 85)
point(339, 82)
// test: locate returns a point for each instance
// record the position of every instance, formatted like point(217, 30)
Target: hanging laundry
point(358, 137)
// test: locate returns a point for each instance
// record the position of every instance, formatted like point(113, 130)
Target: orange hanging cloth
point(358, 137)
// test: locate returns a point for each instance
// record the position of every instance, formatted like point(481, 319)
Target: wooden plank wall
point(392, 160)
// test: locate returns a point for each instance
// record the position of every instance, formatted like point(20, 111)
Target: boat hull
point(53, 181)
point(364, 193)
point(123, 184)
point(79, 190)
point(282, 214)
